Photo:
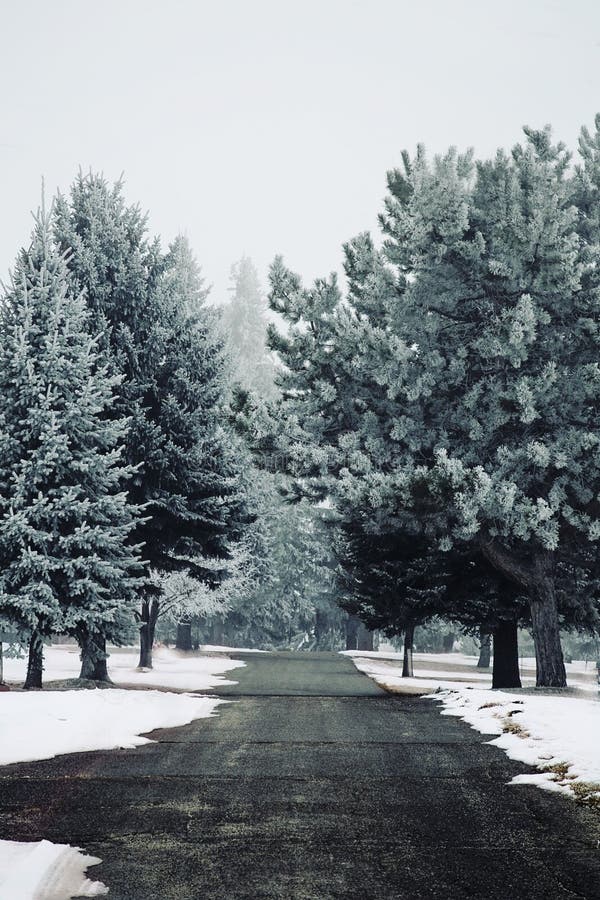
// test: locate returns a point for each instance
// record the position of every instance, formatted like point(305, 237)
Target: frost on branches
point(453, 392)
point(67, 564)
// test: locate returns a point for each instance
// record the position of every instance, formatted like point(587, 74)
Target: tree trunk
point(448, 642)
point(550, 666)
point(149, 616)
point(93, 659)
point(184, 636)
point(537, 577)
point(352, 623)
point(216, 633)
point(505, 671)
point(35, 663)
point(321, 629)
point(485, 647)
point(407, 663)
point(364, 637)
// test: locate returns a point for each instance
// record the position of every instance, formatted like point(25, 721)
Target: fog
point(267, 127)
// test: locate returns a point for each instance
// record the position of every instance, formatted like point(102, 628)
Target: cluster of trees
point(127, 496)
point(425, 440)
point(446, 403)
point(285, 592)
point(120, 481)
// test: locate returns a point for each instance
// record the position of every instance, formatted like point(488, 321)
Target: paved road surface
point(312, 783)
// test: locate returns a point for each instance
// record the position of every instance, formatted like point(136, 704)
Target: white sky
point(267, 126)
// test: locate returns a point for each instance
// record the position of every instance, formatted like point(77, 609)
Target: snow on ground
point(44, 871)
point(172, 669)
point(42, 724)
point(559, 734)
point(39, 725)
point(431, 668)
point(217, 648)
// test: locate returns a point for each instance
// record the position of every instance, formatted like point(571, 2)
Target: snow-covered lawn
point(43, 871)
point(559, 734)
point(431, 668)
point(172, 669)
point(42, 724)
point(219, 648)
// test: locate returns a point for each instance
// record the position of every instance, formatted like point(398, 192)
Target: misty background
point(266, 127)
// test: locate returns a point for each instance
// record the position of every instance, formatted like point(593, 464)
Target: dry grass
point(510, 727)
point(561, 769)
point(586, 792)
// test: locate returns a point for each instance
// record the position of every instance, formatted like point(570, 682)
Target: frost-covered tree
point(67, 563)
point(173, 388)
point(457, 383)
point(295, 595)
point(497, 394)
point(183, 279)
point(244, 323)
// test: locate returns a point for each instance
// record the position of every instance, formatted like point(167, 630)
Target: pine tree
point(456, 386)
point(173, 389)
point(500, 392)
point(67, 564)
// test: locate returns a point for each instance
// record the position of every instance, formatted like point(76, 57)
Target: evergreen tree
point(67, 562)
point(500, 392)
point(456, 386)
point(245, 328)
point(173, 388)
point(183, 280)
point(295, 598)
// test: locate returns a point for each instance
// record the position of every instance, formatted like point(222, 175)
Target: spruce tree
point(66, 560)
point(173, 389)
point(245, 320)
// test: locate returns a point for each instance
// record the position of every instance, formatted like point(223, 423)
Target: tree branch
point(510, 565)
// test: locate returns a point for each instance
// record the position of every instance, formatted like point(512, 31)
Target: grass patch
point(561, 769)
point(510, 727)
point(586, 792)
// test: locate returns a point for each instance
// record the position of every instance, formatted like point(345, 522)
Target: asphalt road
point(312, 783)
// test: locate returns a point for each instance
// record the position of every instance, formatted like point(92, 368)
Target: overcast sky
point(267, 126)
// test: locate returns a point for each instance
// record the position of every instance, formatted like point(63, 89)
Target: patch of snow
point(217, 648)
point(42, 724)
point(172, 669)
point(372, 654)
point(541, 730)
point(559, 735)
point(45, 871)
point(386, 668)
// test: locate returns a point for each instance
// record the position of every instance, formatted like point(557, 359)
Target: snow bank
point(172, 669)
point(558, 735)
point(43, 724)
point(45, 871)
